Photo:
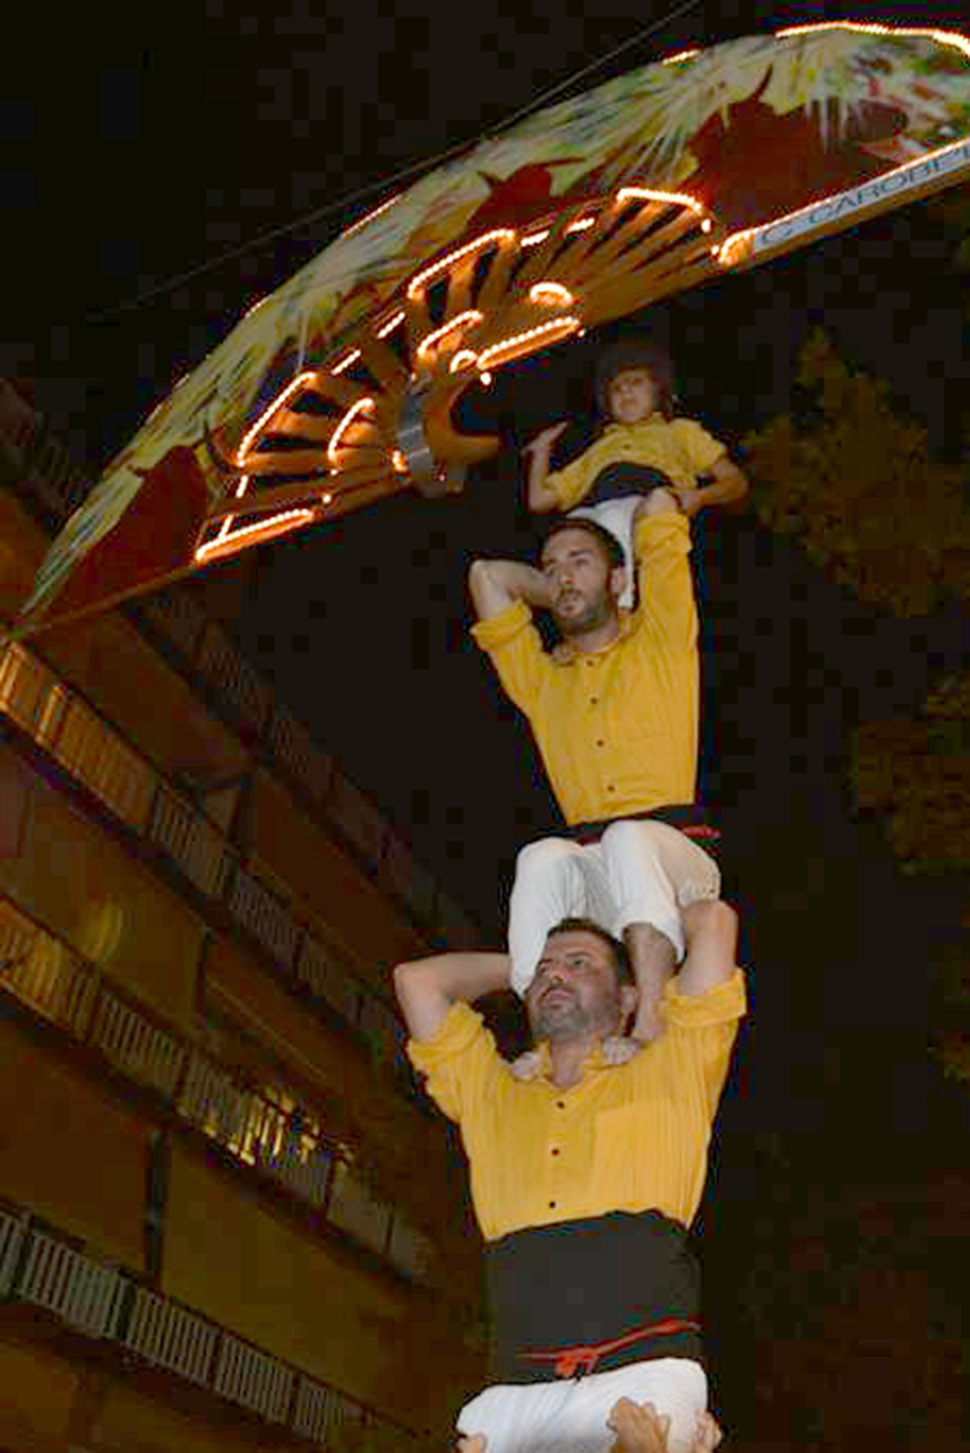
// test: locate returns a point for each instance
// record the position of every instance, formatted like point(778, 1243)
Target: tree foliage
point(952, 208)
point(850, 476)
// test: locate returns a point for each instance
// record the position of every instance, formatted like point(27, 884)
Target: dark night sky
point(142, 147)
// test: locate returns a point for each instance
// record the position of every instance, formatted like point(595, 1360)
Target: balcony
point(201, 649)
point(249, 1129)
point(29, 450)
point(34, 463)
point(39, 1267)
point(172, 829)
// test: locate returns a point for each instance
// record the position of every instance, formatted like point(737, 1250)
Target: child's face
point(632, 395)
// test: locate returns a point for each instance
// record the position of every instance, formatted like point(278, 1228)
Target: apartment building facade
point(225, 1212)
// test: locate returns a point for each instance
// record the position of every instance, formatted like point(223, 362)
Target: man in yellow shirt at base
point(614, 711)
point(587, 1164)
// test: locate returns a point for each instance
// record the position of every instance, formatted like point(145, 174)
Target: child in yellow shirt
point(645, 446)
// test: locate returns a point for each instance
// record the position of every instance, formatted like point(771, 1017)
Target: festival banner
point(338, 389)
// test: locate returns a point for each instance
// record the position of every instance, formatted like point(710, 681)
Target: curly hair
point(636, 350)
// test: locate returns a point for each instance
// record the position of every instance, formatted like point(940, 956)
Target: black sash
point(689, 817)
point(616, 1279)
point(616, 481)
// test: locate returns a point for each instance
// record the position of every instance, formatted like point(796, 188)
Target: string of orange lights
point(444, 346)
point(545, 293)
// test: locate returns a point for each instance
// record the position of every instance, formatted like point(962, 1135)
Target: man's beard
point(567, 1023)
point(573, 1020)
point(598, 612)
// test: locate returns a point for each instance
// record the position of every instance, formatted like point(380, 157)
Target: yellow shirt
point(681, 448)
point(628, 1137)
point(617, 728)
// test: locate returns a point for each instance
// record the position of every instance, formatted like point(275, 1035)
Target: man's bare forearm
point(497, 584)
point(427, 988)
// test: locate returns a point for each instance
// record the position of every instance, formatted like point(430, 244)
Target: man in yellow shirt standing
point(614, 711)
point(587, 1166)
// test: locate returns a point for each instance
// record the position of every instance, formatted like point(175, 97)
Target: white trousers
point(616, 515)
point(569, 1416)
point(639, 872)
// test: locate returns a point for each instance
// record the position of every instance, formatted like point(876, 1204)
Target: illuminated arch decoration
point(338, 389)
point(378, 418)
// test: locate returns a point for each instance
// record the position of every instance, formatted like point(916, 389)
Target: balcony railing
point(254, 1379)
point(134, 792)
point(207, 653)
point(293, 748)
point(266, 918)
point(30, 453)
point(53, 981)
point(354, 1210)
point(140, 1049)
point(247, 695)
point(81, 1292)
point(13, 1231)
point(110, 1305)
point(107, 765)
point(190, 841)
point(39, 970)
point(168, 1336)
point(38, 465)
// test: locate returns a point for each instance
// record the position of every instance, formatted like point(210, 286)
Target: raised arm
point(497, 584)
point(728, 485)
point(711, 936)
point(427, 988)
point(667, 606)
point(538, 494)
